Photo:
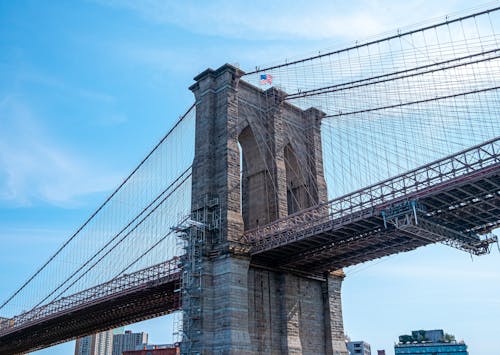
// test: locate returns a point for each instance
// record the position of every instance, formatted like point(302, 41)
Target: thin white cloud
point(323, 25)
point(28, 74)
point(33, 167)
point(286, 19)
point(94, 97)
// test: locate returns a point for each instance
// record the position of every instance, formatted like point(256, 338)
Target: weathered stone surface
point(248, 310)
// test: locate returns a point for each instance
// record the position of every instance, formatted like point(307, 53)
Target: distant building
point(5, 322)
point(96, 344)
point(429, 342)
point(128, 341)
point(155, 350)
point(358, 347)
point(380, 352)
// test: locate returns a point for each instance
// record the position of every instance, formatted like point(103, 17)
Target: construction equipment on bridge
point(204, 223)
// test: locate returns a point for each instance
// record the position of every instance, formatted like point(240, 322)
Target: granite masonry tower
point(257, 159)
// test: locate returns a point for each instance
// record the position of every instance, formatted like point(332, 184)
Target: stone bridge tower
point(257, 159)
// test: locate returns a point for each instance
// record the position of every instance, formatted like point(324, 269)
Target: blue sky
point(88, 87)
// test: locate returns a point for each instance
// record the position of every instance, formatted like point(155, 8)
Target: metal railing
point(160, 273)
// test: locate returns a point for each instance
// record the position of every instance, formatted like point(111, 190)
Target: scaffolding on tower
point(197, 234)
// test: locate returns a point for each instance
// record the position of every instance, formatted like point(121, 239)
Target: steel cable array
point(130, 231)
point(391, 104)
point(398, 102)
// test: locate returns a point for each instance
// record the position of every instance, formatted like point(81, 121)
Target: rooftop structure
point(429, 342)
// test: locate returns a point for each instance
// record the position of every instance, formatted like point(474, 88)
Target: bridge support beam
point(240, 308)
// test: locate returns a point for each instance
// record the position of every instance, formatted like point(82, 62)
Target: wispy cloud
point(265, 32)
point(27, 74)
point(34, 167)
point(285, 19)
point(109, 112)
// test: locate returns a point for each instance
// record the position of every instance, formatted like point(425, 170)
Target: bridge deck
point(356, 239)
point(145, 294)
point(460, 193)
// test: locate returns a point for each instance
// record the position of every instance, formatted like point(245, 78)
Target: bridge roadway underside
point(464, 205)
point(133, 305)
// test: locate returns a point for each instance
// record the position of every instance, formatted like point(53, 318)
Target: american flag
point(266, 79)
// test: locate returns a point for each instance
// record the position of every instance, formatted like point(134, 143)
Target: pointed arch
point(253, 184)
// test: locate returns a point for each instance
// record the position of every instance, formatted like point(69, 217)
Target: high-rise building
point(128, 341)
point(429, 342)
point(359, 348)
point(380, 352)
point(96, 344)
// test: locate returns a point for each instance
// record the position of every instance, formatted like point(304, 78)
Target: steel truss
point(461, 194)
point(129, 298)
point(409, 217)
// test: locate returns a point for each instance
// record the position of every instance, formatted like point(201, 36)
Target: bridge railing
point(159, 273)
point(466, 164)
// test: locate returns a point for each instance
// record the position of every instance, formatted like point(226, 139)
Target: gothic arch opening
point(296, 189)
point(254, 189)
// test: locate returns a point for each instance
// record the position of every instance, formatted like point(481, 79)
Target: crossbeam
point(433, 232)
point(409, 218)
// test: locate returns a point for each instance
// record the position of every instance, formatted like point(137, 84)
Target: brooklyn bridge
point(276, 178)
